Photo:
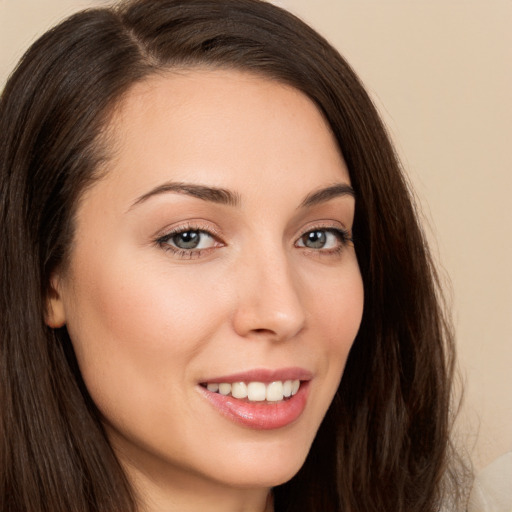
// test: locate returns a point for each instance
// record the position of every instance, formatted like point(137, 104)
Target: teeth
point(239, 390)
point(275, 391)
point(257, 391)
point(224, 389)
point(287, 388)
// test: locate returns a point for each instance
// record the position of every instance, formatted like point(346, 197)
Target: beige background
point(440, 72)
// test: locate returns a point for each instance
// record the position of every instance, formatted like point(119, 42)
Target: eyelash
point(343, 235)
point(163, 241)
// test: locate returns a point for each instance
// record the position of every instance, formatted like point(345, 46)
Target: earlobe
point(55, 314)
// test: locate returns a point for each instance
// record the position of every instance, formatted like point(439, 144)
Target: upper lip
point(264, 375)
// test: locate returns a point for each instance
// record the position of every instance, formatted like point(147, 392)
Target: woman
point(196, 196)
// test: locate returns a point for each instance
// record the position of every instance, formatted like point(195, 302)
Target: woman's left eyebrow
point(326, 194)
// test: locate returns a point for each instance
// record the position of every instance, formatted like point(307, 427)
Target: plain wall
point(440, 72)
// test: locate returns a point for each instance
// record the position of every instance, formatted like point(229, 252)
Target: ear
point(55, 313)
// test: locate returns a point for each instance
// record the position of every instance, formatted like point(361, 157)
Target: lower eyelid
point(186, 255)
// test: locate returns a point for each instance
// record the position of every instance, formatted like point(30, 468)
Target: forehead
point(221, 125)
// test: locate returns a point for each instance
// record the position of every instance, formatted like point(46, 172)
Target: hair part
point(384, 444)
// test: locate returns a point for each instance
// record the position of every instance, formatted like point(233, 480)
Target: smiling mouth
point(272, 392)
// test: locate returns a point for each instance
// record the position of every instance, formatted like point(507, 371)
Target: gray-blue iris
point(315, 239)
point(187, 239)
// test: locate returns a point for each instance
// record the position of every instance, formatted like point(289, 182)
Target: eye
point(188, 241)
point(192, 239)
point(324, 239)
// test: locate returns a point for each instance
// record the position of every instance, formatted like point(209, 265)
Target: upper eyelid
point(323, 224)
point(193, 225)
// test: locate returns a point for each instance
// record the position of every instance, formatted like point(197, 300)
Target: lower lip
point(260, 415)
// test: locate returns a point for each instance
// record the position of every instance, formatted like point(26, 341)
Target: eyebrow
point(212, 194)
point(229, 198)
point(326, 194)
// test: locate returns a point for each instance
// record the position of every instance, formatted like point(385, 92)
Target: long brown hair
point(384, 444)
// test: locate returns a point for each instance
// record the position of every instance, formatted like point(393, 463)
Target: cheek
point(336, 316)
point(337, 307)
point(133, 326)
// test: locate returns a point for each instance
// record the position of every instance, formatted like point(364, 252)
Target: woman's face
point(214, 259)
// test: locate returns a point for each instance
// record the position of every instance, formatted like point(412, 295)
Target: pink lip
point(264, 375)
point(258, 415)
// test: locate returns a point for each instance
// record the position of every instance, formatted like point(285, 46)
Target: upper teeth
point(257, 391)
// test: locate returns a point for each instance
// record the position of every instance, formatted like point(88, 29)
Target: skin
point(148, 324)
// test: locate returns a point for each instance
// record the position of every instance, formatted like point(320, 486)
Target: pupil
point(186, 240)
point(315, 239)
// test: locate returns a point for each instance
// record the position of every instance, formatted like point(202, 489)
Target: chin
point(263, 469)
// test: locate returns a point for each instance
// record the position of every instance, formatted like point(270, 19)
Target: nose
point(269, 297)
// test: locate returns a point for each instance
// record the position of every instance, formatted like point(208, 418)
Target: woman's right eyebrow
point(206, 193)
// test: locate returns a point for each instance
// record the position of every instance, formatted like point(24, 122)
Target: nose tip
point(269, 304)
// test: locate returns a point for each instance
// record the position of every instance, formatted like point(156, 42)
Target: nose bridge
point(269, 299)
